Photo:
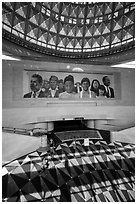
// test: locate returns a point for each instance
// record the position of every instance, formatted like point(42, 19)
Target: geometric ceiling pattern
point(99, 172)
point(71, 27)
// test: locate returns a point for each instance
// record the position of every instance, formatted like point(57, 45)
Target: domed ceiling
point(71, 30)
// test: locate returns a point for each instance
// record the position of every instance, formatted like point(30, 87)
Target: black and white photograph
point(68, 101)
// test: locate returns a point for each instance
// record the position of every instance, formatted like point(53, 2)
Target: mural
point(67, 85)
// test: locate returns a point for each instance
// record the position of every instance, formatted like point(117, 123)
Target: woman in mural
point(85, 92)
point(45, 86)
point(102, 92)
point(61, 86)
point(95, 86)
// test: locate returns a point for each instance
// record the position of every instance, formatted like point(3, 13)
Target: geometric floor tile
point(99, 172)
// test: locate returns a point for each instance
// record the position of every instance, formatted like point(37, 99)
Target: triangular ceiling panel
point(81, 13)
point(44, 25)
point(116, 26)
point(118, 5)
point(99, 10)
point(33, 4)
point(20, 27)
point(54, 27)
point(90, 11)
point(77, 44)
point(87, 33)
point(47, 4)
point(131, 31)
point(43, 38)
point(70, 45)
point(116, 38)
point(32, 12)
point(93, 29)
point(61, 42)
point(103, 41)
point(72, 31)
point(33, 33)
point(55, 7)
point(128, 19)
point(126, 35)
point(108, 39)
point(10, 5)
point(106, 28)
point(87, 43)
point(63, 29)
point(49, 37)
point(17, 21)
point(108, 8)
point(7, 18)
point(51, 41)
point(65, 10)
point(48, 23)
point(62, 32)
point(41, 34)
point(95, 43)
point(79, 32)
point(74, 11)
point(34, 20)
point(131, 15)
point(97, 32)
point(22, 11)
point(41, 18)
point(90, 30)
point(30, 27)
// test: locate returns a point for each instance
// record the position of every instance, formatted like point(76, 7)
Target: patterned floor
point(99, 172)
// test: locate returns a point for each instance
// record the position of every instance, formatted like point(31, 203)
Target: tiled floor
point(99, 172)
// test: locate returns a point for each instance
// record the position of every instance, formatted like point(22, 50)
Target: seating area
point(99, 172)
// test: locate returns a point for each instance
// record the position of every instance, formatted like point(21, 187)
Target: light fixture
point(77, 69)
point(126, 65)
point(68, 67)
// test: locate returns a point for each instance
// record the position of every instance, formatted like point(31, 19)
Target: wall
point(127, 135)
point(19, 112)
point(15, 145)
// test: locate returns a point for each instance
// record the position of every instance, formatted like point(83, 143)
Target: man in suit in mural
point(53, 91)
point(35, 85)
point(109, 91)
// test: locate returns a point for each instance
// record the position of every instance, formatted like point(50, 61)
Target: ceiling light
point(77, 69)
point(126, 65)
point(68, 67)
